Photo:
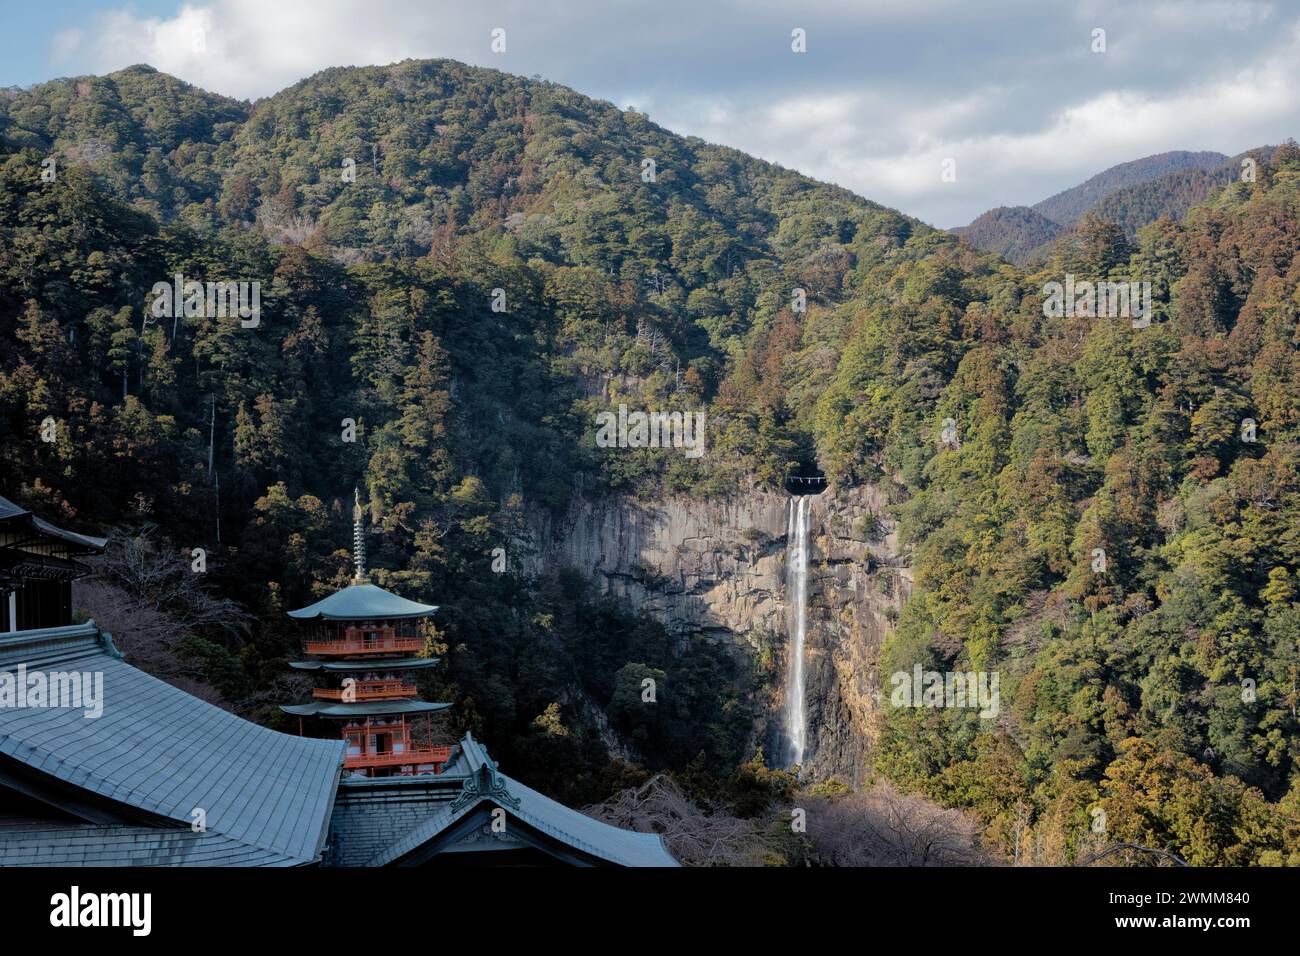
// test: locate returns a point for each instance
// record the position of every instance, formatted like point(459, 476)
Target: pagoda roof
point(363, 602)
point(367, 708)
point(457, 800)
point(372, 664)
point(154, 756)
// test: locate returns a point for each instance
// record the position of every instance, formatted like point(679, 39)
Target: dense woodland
point(1132, 194)
point(1070, 205)
point(1019, 234)
point(1121, 691)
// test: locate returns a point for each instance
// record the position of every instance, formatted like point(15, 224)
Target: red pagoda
point(364, 643)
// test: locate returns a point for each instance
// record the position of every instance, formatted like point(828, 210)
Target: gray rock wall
point(715, 570)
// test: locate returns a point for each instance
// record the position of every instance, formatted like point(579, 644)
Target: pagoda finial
point(358, 541)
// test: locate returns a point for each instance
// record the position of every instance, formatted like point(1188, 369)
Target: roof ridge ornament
point(484, 783)
point(358, 540)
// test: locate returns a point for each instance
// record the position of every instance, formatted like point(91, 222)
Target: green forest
point(467, 266)
point(1133, 195)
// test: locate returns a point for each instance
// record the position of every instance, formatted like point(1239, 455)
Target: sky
point(1012, 99)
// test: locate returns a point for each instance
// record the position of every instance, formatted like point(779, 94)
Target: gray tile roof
point(586, 834)
point(161, 750)
point(373, 813)
point(363, 602)
point(363, 708)
point(92, 845)
point(84, 541)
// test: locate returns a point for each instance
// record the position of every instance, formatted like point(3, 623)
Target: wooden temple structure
point(38, 563)
point(365, 644)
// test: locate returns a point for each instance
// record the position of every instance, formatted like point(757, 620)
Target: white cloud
point(244, 48)
point(825, 137)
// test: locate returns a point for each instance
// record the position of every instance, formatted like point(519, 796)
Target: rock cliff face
point(715, 570)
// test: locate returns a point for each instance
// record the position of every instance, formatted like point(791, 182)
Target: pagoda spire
point(358, 541)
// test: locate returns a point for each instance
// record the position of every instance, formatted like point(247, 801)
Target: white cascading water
point(796, 584)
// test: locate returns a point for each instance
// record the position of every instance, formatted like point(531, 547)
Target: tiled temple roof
point(11, 514)
point(470, 785)
point(158, 754)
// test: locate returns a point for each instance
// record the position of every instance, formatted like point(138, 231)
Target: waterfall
point(796, 584)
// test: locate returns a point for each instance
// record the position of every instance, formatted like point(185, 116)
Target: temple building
point(37, 567)
point(364, 641)
point(136, 772)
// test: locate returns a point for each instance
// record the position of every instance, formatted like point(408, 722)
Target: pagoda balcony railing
point(437, 755)
point(384, 645)
point(367, 690)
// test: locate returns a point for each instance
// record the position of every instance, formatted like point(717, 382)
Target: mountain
point(1067, 206)
point(149, 136)
point(501, 260)
point(1023, 234)
point(1014, 232)
point(1172, 194)
point(1101, 515)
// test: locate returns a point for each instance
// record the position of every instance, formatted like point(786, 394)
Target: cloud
point(885, 93)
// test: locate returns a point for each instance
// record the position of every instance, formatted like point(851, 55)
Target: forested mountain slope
point(1069, 205)
point(1017, 233)
point(1171, 195)
point(1160, 684)
point(673, 285)
point(1133, 194)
